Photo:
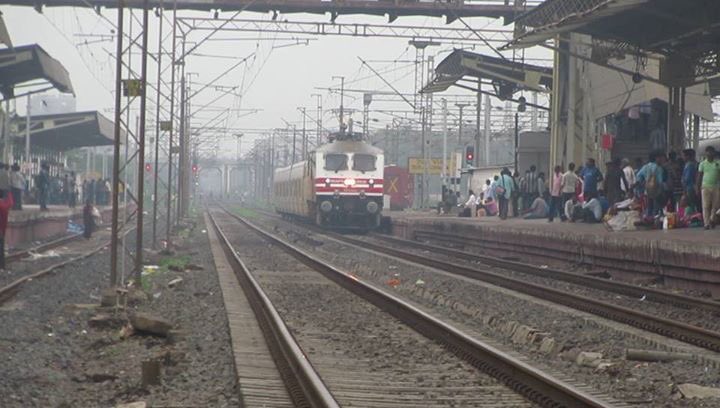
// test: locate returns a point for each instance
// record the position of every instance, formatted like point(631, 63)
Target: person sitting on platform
point(595, 209)
point(5, 204)
point(489, 207)
point(538, 209)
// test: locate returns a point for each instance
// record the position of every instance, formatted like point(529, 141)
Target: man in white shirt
point(629, 176)
point(17, 184)
point(469, 206)
point(569, 184)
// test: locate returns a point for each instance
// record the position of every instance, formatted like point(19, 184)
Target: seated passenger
point(595, 209)
point(489, 207)
point(538, 209)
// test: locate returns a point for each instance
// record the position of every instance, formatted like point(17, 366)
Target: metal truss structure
point(445, 35)
point(451, 10)
point(134, 87)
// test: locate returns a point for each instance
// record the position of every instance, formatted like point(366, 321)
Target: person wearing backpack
point(651, 178)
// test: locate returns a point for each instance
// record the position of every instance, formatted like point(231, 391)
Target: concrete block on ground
point(522, 334)
point(148, 323)
point(106, 321)
point(548, 345)
point(588, 358)
point(698, 391)
point(138, 404)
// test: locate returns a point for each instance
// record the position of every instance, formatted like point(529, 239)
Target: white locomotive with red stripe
point(339, 185)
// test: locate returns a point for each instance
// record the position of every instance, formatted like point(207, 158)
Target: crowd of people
point(666, 191)
point(47, 189)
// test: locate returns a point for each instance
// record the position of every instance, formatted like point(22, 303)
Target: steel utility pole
point(487, 129)
point(115, 227)
point(342, 98)
point(294, 130)
point(303, 147)
point(156, 163)
point(478, 135)
point(141, 149)
point(318, 136)
point(461, 106)
point(445, 137)
point(27, 131)
point(168, 224)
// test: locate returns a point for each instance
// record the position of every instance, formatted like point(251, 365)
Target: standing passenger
point(707, 184)
point(591, 176)
point(5, 204)
point(615, 182)
point(556, 204)
point(88, 220)
point(18, 184)
point(506, 183)
point(569, 184)
point(43, 186)
point(689, 175)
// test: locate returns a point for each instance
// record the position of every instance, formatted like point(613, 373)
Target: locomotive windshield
point(336, 162)
point(364, 162)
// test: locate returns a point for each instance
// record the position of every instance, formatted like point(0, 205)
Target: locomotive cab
point(348, 185)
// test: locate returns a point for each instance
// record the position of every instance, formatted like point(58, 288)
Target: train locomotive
point(339, 185)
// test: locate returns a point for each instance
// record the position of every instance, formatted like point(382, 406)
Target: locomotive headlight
point(327, 181)
point(371, 182)
point(326, 206)
point(349, 182)
point(372, 207)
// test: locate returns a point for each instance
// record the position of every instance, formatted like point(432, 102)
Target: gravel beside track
point(365, 356)
point(485, 309)
point(701, 318)
point(54, 359)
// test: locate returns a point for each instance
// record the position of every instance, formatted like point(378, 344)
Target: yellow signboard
point(132, 87)
point(415, 166)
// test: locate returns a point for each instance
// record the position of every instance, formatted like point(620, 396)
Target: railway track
point(24, 253)
point(650, 294)
point(651, 267)
point(538, 387)
point(9, 290)
point(690, 334)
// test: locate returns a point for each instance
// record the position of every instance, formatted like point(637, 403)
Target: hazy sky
point(277, 78)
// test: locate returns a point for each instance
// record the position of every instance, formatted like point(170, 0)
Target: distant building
point(51, 104)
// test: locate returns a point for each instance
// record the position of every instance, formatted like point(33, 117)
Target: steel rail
point(650, 266)
point(530, 382)
point(652, 295)
point(24, 253)
point(681, 331)
point(302, 381)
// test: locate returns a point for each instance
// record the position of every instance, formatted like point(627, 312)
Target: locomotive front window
point(336, 162)
point(364, 162)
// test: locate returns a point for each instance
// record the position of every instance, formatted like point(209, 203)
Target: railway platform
point(682, 258)
point(31, 224)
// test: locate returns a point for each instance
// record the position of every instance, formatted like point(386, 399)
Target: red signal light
point(148, 167)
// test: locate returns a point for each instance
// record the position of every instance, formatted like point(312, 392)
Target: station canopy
point(68, 131)
point(21, 65)
point(507, 76)
point(687, 30)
